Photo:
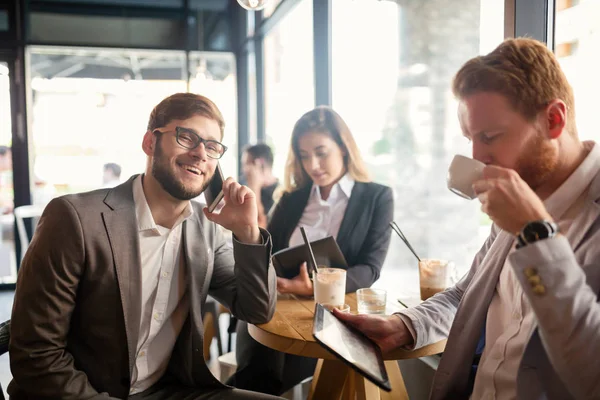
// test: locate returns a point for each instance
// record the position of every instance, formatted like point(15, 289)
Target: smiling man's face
point(184, 173)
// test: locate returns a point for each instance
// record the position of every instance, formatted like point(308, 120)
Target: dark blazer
point(76, 314)
point(364, 235)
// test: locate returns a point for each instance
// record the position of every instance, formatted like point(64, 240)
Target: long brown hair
point(322, 120)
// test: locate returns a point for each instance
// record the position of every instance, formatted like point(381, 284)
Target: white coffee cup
point(463, 172)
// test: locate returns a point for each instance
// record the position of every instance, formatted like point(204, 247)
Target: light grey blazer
point(76, 314)
point(562, 358)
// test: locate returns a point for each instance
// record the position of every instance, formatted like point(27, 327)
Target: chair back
point(22, 212)
point(4, 336)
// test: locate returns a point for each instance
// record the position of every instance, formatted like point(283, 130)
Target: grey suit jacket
point(561, 359)
point(76, 313)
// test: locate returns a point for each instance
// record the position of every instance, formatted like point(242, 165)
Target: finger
point(212, 217)
point(234, 188)
point(304, 275)
point(243, 191)
point(483, 197)
point(483, 185)
point(226, 186)
point(495, 171)
point(304, 271)
point(282, 285)
point(352, 319)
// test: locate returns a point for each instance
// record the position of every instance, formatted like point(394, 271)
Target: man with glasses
point(110, 294)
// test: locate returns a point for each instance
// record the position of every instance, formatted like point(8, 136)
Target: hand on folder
point(300, 284)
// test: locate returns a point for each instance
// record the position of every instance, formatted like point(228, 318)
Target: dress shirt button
point(165, 274)
point(517, 315)
point(142, 353)
point(530, 271)
point(534, 280)
point(539, 289)
point(157, 316)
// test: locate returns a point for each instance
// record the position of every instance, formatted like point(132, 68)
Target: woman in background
point(327, 191)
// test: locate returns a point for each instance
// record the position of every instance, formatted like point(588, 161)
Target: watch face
point(537, 230)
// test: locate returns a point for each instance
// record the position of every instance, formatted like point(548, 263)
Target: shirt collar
point(342, 187)
point(571, 189)
point(143, 213)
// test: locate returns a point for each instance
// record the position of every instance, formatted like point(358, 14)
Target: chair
point(22, 212)
point(4, 338)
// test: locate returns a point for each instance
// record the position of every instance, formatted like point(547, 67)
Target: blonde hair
point(523, 70)
point(322, 120)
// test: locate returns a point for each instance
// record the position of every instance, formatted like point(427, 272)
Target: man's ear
point(556, 118)
point(148, 143)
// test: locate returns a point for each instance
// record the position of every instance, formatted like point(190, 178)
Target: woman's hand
point(300, 284)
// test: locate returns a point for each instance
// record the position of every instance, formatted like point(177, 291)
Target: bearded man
point(110, 293)
point(524, 322)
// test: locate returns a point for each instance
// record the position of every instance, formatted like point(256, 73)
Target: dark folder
point(327, 253)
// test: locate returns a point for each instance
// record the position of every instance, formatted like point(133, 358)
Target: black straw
point(396, 229)
point(313, 261)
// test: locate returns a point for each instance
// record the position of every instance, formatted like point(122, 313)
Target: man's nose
point(199, 152)
point(480, 153)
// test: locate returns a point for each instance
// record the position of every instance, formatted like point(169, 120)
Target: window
point(90, 107)
point(391, 83)
point(8, 270)
point(289, 78)
point(576, 45)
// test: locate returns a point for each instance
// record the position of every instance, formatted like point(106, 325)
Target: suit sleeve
point(374, 249)
point(566, 308)
point(245, 283)
point(44, 301)
point(430, 321)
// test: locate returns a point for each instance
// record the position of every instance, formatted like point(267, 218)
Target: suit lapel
point(122, 231)
point(197, 252)
point(588, 216)
point(351, 216)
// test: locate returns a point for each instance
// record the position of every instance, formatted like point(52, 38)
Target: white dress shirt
point(510, 319)
point(322, 218)
point(165, 302)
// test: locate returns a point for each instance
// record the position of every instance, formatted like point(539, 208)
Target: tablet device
point(327, 252)
point(350, 346)
point(214, 191)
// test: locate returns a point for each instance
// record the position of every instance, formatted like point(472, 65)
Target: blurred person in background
point(327, 191)
point(111, 175)
point(257, 167)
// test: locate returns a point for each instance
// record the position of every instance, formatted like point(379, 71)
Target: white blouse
point(322, 218)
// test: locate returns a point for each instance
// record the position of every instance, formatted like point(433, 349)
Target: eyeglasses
point(189, 139)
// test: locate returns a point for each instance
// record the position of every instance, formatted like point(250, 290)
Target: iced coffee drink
point(330, 286)
point(433, 276)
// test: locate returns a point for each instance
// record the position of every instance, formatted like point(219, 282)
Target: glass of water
point(371, 301)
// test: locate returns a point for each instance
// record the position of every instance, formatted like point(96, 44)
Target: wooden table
point(290, 331)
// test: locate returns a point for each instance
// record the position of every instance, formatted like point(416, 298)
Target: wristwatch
point(536, 230)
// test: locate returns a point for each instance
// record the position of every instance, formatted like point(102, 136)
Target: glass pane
point(576, 45)
point(213, 76)
point(4, 21)
point(252, 106)
point(91, 107)
point(8, 268)
point(391, 83)
point(289, 78)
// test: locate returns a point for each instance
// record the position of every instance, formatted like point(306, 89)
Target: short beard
point(166, 178)
point(538, 162)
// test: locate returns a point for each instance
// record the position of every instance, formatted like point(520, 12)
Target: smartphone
point(214, 192)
